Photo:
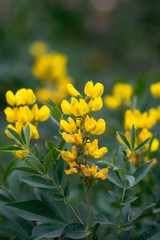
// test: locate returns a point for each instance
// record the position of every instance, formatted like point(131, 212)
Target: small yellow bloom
point(92, 148)
point(74, 167)
point(66, 107)
point(123, 90)
point(10, 98)
point(68, 156)
point(93, 91)
point(69, 126)
point(88, 172)
point(72, 91)
point(94, 127)
point(11, 114)
point(80, 108)
point(112, 102)
point(38, 48)
point(154, 145)
point(44, 113)
point(96, 104)
point(21, 154)
point(78, 138)
point(102, 174)
point(68, 137)
point(155, 89)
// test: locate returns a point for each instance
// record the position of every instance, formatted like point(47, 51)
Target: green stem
point(88, 210)
point(121, 208)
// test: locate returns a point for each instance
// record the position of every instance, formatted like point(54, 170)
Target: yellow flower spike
point(123, 90)
point(11, 114)
point(68, 138)
point(68, 127)
point(10, 98)
point(155, 89)
point(112, 102)
point(44, 113)
point(72, 91)
point(93, 91)
point(154, 145)
point(96, 104)
point(154, 112)
point(80, 108)
point(21, 96)
point(20, 154)
point(94, 127)
point(78, 138)
point(66, 107)
point(102, 174)
point(31, 98)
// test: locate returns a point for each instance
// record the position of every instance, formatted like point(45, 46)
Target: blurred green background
point(104, 40)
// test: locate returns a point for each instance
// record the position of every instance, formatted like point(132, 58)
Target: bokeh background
point(104, 40)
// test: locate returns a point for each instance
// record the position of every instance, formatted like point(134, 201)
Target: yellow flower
point(74, 167)
point(21, 154)
point(80, 108)
point(92, 149)
point(68, 137)
point(12, 127)
point(38, 48)
point(68, 156)
point(10, 98)
point(102, 174)
point(93, 91)
point(123, 90)
point(96, 104)
point(94, 127)
point(154, 145)
point(11, 114)
point(72, 91)
point(68, 127)
point(112, 102)
point(78, 138)
point(155, 89)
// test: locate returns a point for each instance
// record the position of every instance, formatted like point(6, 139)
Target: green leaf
point(113, 177)
point(115, 196)
point(23, 139)
point(105, 163)
point(50, 145)
point(120, 162)
point(11, 149)
point(14, 134)
point(8, 170)
point(27, 134)
point(47, 160)
point(48, 230)
point(124, 139)
point(36, 150)
point(129, 200)
point(104, 220)
point(25, 169)
point(133, 137)
point(142, 144)
point(82, 212)
point(34, 210)
point(75, 231)
point(121, 170)
point(35, 163)
point(134, 213)
point(131, 180)
point(67, 189)
point(38, 181)
point(55, 110)
point(141, 171)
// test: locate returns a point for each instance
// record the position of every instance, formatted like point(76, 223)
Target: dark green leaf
point(47, 160)
point(141, 145)
point(129, 200)
point(120, 161)
point(124, 140)
point(34, 210)
point(141, 171)
point(104, 220)
point(55, 110)
point(82, 212)
point(66, 189)
point(35, 163)
point(121, 170)
point(115, 196)
point(38, 181)
point(23, 136)
point(36, 150)
point(11, 149)
point(113, 177)
point(131, 180)
point(105, 163)
point(75, 231)
point(8, 169)
point(48, 230)
point(50, 145)
point(27, 134)
point(133, 137)
point(14, 134)
point(61, 145)
point(25, 169)
point(136, 212)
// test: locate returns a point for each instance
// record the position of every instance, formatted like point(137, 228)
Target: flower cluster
point(155, 89)
point(50, 68)
point(20, 114)
point(142, 122)
point(80, 128)
point(121, 94)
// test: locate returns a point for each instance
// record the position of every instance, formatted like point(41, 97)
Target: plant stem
point(89, 211)
point(121, 208)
